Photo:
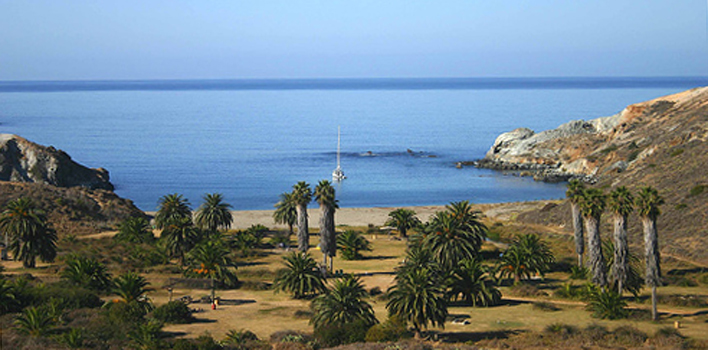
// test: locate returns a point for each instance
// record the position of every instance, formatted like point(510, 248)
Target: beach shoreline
point(376, 216)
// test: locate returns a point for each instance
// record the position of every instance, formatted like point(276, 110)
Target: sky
point(174, 39)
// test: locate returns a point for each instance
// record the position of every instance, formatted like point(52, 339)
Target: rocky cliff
point(593, 149)
point(660, 143)
point(25, 161)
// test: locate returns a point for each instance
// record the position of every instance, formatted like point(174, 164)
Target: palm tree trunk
point(654, 311)
point(213, 292)
point(620, 266)
point(578, 229)
point(596, 260)
point(653, 267)
point(303, 233)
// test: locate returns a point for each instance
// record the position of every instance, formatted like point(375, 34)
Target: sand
point(377, 216)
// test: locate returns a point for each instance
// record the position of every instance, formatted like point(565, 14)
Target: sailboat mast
point(339, 138)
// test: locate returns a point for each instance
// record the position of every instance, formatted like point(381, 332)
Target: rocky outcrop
point(589, 150)
point(25, 161)
point(661, 143)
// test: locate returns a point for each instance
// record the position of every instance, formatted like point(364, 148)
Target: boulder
point(25, 161)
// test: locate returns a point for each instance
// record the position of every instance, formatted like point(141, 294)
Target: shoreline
point(377, 216)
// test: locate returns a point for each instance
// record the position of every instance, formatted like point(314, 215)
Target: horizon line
point(358, 78)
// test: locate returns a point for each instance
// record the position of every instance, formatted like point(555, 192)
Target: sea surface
point(251, 140)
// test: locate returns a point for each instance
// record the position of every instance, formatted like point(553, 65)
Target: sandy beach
point(376, 216)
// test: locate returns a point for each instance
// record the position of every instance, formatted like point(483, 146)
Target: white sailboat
point(338, 174)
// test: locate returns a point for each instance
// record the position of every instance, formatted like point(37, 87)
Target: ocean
point(251, 140)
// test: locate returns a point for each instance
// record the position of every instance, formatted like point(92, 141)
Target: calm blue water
point(253, 139)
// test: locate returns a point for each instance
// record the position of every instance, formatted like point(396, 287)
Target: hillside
point(77, 200)
point(659, 143)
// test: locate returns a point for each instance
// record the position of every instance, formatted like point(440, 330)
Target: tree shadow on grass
point(462, 337)
point(378, 257)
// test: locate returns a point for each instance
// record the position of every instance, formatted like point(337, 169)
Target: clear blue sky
point(172, 39)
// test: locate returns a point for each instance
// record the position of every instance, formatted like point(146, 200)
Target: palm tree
point(173, 207)
point(403, 220)
point(634, 280)
point(343, 304)
point(526, 256)
point(301, 277)
point(351, 244)
point(132, 288)
point(325, 197)
point(470, 283)
point(7, 296)
point(419, 298)
point(135, 230)
point(302, 196)
point(34, 322)
point(286, 211)
point(214, 213)
point(469, 219)
point(31, 237)
point(180, 235)
point(87, 273)
point(212, 259)
point(648, 202)
point(592, 204)
point(621, 204)
point(574, 193)
point(451, 240)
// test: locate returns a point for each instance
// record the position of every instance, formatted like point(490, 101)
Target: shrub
point(122, 313)
point(697, 190)
point(72, 297)
point(175, 312)
point(594, 332)
point(579, 273)
point(683, 300)
point(633, 155)
point(207, 342)
point(333, 335)
point(526, 290)
point(393, 329)
point(289, 336)
point(607, 305)
point(544, 306)
point(628, 336)
point(666, 338)
point(677, 152)
point(561, 329)
point(608, 149)
point(244, 340)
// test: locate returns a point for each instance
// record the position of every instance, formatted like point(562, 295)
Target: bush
point(393, 329)
point(544, 306)
point(608, 305)
point(683, 300)
point(527, 290)
point(677, 152)
point(666, 338)
point(175, 312)
point(561, 329)
point(122, 313)
point(72, 297)
point(333, 335)
point(628, 336)
point(697, 190)
point(579, 273)
point(289, 336)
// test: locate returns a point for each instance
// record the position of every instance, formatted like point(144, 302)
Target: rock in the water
point(25, 161)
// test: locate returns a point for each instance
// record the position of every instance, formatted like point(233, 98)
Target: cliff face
point(25, 161)
point(660, 143)
point(594, 149)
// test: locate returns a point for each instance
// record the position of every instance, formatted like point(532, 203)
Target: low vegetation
point(112, 292)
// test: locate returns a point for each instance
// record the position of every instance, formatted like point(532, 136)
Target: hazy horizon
point(275, 39)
